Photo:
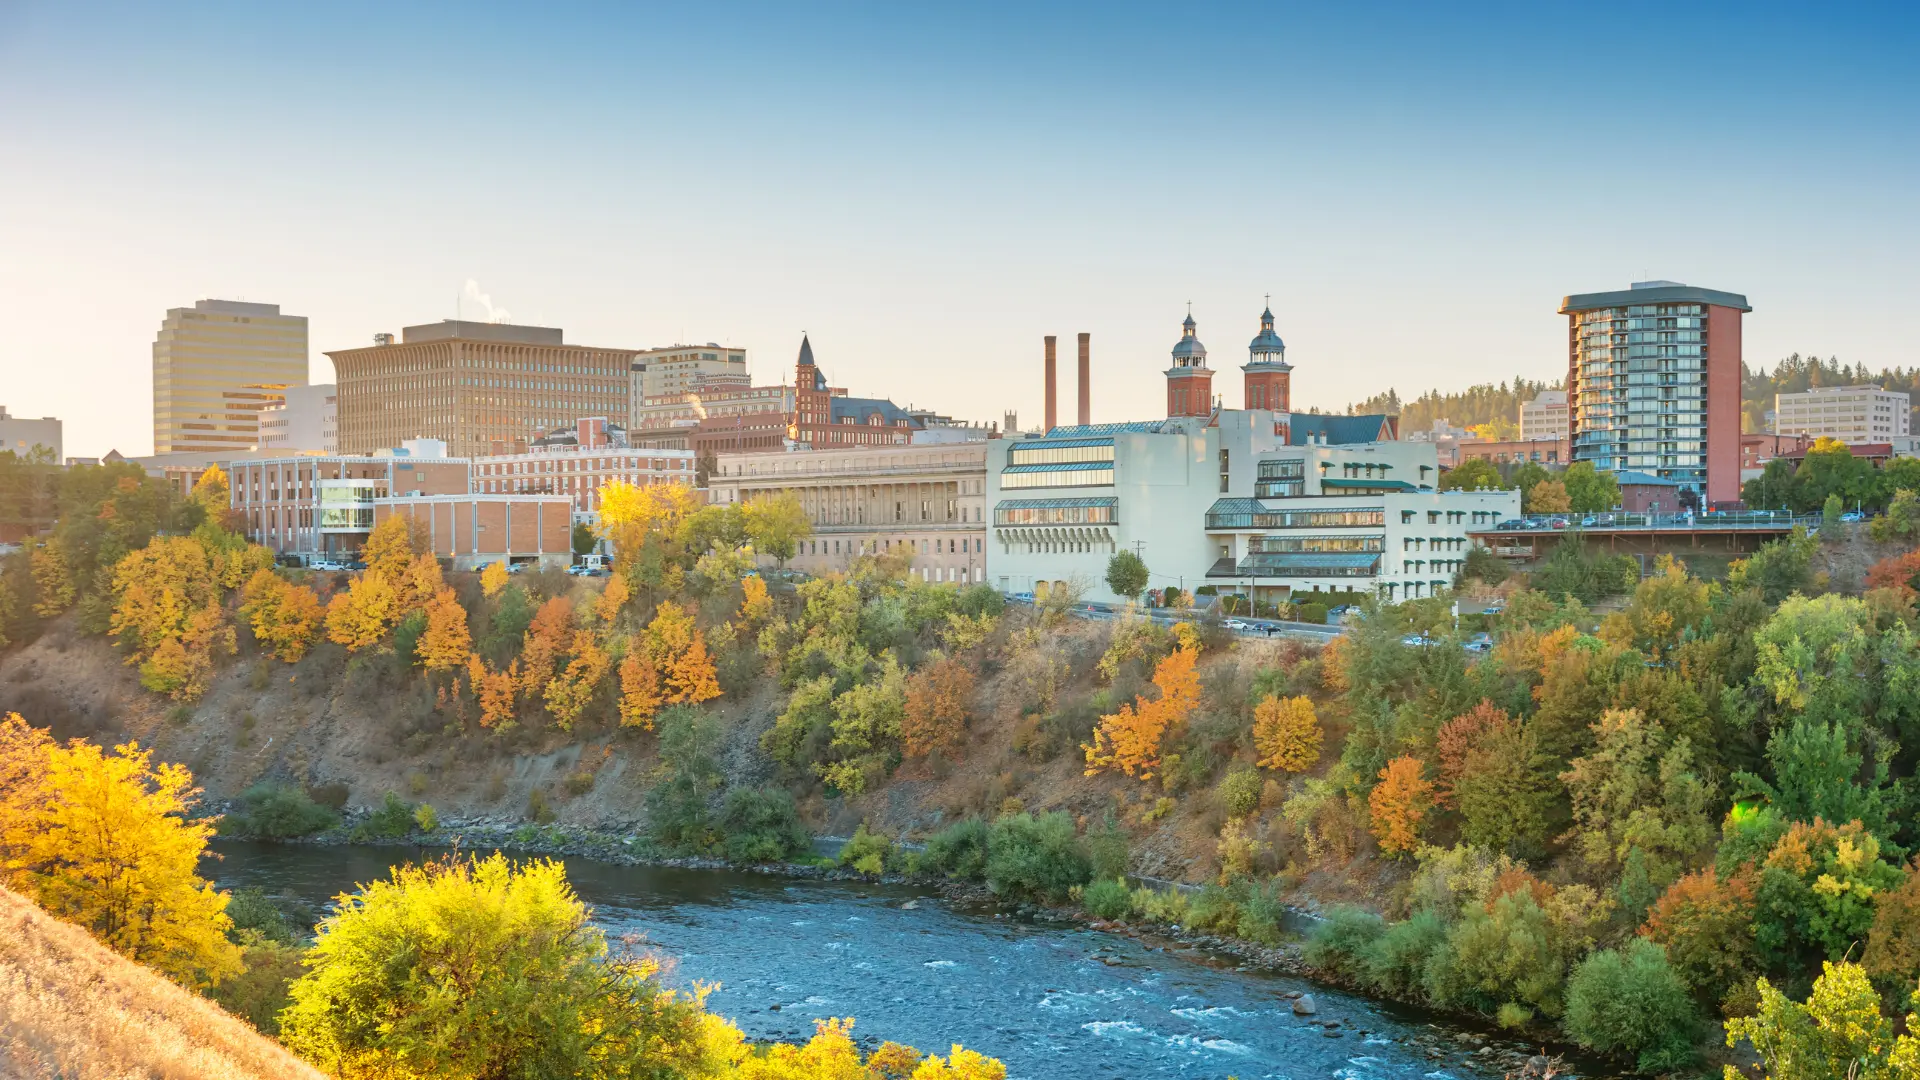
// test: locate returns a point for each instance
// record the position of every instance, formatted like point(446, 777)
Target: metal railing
point(1743, 519)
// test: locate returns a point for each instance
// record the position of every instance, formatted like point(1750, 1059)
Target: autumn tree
point(1286, 732)
point(445, 643)
point(570, 692)
point(494, 690)
point(485, 968)
point(1896, 572)
point(112, 846)
point(1455, 741)
point(1632, 793)
point(1398, 804)
point(493, 579)
point(1132, 739)
point(1705, 922)
point(692, 678)
point(1892, 955)
point(939, 700)
point(421, 582)
point(612, 598)
point(1548, 497)
point(756, 606)
point(544, 648)
point(640, 698)
point(363, 614)
point(389, 548)
point(285, 617)
point(678, 651)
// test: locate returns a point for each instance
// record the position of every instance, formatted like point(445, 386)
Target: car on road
point(325, 565)
point(1417, 641)
point(1237, 624)
point(1021, 597)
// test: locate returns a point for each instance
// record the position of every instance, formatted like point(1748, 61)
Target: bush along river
point(1053, 1000)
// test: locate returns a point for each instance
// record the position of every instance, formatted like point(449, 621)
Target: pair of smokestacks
point(1086, 382)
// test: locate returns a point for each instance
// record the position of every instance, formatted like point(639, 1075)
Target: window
point(1224, 470)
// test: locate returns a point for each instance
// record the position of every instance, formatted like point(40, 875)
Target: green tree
point(1636, 792)
point(484, 968)
point(1126, 575)
point(1781, 567)
point(1630, 1002)
point(678, 804)
point(1473, 474)
point(583, 539)
point(776, 525)
point(1830, 512)
point(1837, 1034)
point(1590, 490)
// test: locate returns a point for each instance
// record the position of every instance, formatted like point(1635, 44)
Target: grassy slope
point(70, 1008)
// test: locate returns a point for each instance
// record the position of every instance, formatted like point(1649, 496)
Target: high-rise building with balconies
point(1653, 385)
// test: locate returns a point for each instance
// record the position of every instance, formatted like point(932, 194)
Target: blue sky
point(929, 192)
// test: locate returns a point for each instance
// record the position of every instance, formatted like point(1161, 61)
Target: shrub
point(1160, 905)
point(1342, 940)
point(1262, 913)
point(1108, 850)
point(426, 818)
point(1313, 613)
point(958, 851)
point(332, 796)
point(579, 782)
point(1215, 908)
point(395, 818)
point(1239, 792)
point(761, 826)
point(1036, 856)
point(273, 811)
point(537, 807)
point(1108, 898)
point(1631, 1001)
point(256, 917)
point(1397, 960)
point(1500, 953)
point(868, 852)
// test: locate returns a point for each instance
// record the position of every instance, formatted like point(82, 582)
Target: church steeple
point(1189, 380)
point(1266, 372)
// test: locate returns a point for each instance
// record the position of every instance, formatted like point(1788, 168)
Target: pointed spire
point(806, 350)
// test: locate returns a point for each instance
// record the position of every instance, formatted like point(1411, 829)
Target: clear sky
point(929, 189)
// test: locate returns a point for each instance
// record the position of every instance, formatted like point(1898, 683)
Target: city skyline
point(928, 195)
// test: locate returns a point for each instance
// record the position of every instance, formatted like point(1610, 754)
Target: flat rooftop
point(451, 329)
point(1653, 292)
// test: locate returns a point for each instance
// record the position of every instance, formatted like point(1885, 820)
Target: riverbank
point(1450, 1035)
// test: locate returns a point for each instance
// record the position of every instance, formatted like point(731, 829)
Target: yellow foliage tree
point(421, 583)
point(112, 848)
point(53, 583)
point(832, 1055)
point(284, 616)
point(389, 548)
point(570, 692)
point(1398, 803)
point(756, 606)
point(211, 491)
point(443, 645)
point(1287, 733)
point(494, 690)
point(629, 513)
point(157, 589)
point(669, 634)
point(493, 579)
point(1548, 497)
point(182, 666)
point(363, 614)
point(1130, 740)
point(544, 648)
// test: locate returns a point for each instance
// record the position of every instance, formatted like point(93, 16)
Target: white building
point(1254, 502)
point(21, 435)
point(1544, 419)
point(929, 499)
point(1852, 414)
point(679, 368)
point(304, 423)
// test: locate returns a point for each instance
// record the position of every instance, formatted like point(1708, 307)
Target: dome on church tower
point(1189, 352)
point(1266, 346)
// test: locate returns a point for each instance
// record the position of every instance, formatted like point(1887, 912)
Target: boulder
point(1304, 1006)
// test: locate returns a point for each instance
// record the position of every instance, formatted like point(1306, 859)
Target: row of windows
point(1075, 478)
point(1276, 544)
point(1046, 455)
point(1056, 515)
point(1358, 517)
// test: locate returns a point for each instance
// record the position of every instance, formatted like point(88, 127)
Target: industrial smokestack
point(1086, 380)
point(1053, 399)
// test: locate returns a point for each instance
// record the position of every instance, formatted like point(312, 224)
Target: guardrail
point(1747, 519)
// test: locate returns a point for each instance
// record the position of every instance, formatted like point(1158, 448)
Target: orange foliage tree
point(389, 548)
point(1287, 733)
point(1131, 740)
point(544, 648)
point(639, 689)
point(1897, 572)
point(494, 691)
point(613, 598)
point(443, 645)
point(1398, 803)
point(938, 700)
point(693, 678)
point(679, 651)
point(1705, 922)
point(756, 606)
point(1455, 742)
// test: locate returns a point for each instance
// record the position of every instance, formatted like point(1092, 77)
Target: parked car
point(1853, 515)
point(1496, 606)
point(516, 567)
point(325, 564)
point(1416, 641)
point(1510, 525)
point(1557, 523)
point(580, 570)
point(1021, 598)
point(1589, 521)
point(1479, 643)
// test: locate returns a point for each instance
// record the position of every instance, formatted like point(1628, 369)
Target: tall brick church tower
point(1189, 380)
point(1268, 375)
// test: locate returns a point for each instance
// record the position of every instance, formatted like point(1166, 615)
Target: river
point(1053, 1002)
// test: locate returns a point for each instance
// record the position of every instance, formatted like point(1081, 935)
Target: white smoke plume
point(473, 295)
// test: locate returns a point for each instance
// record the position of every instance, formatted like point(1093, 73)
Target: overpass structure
point(1724, 532)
